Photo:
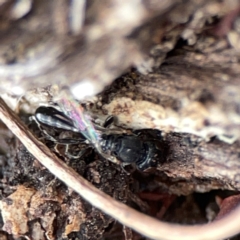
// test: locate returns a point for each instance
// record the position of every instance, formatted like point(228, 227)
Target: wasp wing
point(81, 120)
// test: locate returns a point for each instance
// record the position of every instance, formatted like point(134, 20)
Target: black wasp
point(137, 148)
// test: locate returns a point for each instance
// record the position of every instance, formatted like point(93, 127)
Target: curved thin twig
point(143, 224)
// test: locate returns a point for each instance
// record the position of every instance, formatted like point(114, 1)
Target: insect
point(120, 148)
point(131, 149)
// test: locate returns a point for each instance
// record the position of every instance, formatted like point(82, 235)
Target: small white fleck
point(17, 90)
point(82, 89)
point(20, 8)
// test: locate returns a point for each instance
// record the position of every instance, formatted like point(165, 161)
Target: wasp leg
point(68, 141)
point(117, 162)
point(108, 121)
point(109, 158)
point(80, 154)
point(128, 172)
point(68, 155)
point(48, 136)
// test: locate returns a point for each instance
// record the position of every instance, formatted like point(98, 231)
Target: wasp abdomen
point(51, 117)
